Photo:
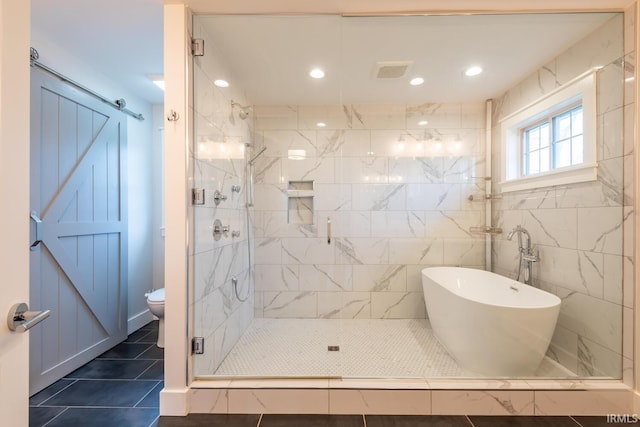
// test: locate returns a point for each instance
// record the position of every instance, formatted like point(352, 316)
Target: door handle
point(328, 230)
point(38, 222)
point(21, 320)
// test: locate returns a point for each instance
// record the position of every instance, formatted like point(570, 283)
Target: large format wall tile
point(592, 402)
point(578, 228)
point(290, 304)
point(397, 402)
point(491, 402)
point(278, 401)
point(217, 163)
point(344, 305)
point(394, 192)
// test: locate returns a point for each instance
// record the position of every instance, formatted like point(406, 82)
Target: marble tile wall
point(411, 401)
point(578, 229)
point(217, 157)
point(397, 196)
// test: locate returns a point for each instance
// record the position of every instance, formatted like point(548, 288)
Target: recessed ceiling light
point(221, 83)
point(473, 71)
point(416, 81)
point(316, 73)
point(423, 123)
point(321, 124)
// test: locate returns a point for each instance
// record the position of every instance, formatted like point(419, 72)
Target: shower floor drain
point(333, 348)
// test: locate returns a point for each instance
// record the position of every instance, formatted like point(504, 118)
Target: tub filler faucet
point(527, 255)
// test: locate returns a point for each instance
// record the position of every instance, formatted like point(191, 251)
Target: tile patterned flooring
point(120, 388)
point(298, 348)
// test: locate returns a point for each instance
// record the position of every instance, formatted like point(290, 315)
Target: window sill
point(569, 175)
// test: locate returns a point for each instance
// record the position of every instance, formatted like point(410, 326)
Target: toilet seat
point(156, 297)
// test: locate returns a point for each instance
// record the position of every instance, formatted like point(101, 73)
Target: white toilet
point(155, 301)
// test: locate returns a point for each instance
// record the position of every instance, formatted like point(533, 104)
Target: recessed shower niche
point(300, 202)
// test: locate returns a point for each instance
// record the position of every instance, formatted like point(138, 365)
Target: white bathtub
point(491, 325)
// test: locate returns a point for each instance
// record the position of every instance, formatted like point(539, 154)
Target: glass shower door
point(266, 136)
point(220, 277)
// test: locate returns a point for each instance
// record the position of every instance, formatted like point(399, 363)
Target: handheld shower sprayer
point(250, 160)
point(253, 159)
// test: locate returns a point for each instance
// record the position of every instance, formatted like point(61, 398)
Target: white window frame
point(581, 89)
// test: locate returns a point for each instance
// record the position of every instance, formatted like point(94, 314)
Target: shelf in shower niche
point(299, 193)
point(301, 185)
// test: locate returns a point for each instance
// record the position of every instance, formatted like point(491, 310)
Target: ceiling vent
point(391, 69)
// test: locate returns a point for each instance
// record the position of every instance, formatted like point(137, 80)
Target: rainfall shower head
point(244, 109)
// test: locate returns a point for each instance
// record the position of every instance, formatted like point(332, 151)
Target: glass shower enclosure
point(318, 201)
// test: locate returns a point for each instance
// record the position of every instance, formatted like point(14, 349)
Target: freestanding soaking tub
point(491, 325)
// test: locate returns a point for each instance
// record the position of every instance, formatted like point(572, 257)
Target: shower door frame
point(483, 177)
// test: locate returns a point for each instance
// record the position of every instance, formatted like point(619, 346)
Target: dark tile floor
point(269, 420)
point(121, 388)
point(118, 388)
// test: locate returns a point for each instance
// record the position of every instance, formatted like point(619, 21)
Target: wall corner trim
point(173, 402)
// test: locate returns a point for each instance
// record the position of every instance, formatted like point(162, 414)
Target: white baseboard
point(174, 402)
point(138, 321)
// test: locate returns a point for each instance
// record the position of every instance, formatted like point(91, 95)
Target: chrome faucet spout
point(527, 257)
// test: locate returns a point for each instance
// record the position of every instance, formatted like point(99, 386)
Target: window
point(552, 141)
point(535, 149)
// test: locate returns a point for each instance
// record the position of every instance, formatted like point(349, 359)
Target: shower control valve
point(219, 230)
point(532, 255)
point(218, 197)
point(235, 233)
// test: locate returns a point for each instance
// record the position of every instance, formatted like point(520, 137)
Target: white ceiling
point(270, 57)
point(123, 39)
point(120, 38)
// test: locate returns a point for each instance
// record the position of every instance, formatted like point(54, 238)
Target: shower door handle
point(328, 230)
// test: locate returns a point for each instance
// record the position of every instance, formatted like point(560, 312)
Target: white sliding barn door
point(78, 228)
